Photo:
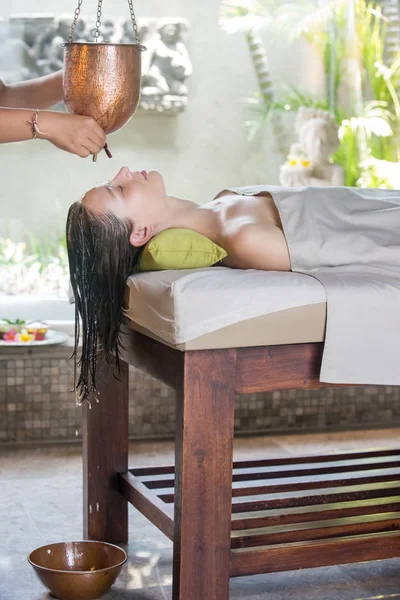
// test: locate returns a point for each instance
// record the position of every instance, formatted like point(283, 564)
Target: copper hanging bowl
point(102, 81)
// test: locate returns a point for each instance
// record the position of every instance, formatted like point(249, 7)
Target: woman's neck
point(185, 214)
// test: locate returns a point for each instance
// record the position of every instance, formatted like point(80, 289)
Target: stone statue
point(16, 61)
point(170, 63)
point(48, 47)
point(309, 160)
point(111, 31)
point(128, 35)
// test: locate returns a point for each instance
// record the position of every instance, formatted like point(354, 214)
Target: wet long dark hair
point(101, 259)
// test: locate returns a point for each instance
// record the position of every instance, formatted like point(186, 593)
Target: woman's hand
point(73, 133)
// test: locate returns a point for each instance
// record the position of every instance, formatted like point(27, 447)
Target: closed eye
point(111, 188)
point(118, 187)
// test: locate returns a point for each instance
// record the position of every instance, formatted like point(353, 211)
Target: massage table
point(209, 334)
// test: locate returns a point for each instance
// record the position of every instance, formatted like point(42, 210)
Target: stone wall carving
point(31, 46)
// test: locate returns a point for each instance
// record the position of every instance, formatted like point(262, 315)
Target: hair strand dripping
point(101, 259)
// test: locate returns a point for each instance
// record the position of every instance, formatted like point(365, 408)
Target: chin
point(155, 174)
point(156, 177)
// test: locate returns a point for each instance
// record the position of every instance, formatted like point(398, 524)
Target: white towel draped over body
point(349, 239)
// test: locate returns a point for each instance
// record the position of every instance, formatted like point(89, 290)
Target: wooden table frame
point(258, 518)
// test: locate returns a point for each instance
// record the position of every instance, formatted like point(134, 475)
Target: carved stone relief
point(31, 46)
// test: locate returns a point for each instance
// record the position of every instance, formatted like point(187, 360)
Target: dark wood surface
point(259, 369)
point(365, 455)
point(272, 368)
point(334, 528)
point(283, 513)
point(105, 454)
point(148, 503)
point(343, 505)
point(148, 355)
point(203, 474)
point(315, 554)
point(338, 495)
point(243, 473)
point(298, 486)
point(369, 458)
point(271, 518)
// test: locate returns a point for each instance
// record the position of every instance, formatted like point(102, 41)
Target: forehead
point(97, 198)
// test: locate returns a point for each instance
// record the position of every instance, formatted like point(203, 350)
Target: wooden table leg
point(203, 476)
point(105, 453)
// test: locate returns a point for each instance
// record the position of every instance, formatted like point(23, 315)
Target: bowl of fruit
point(9, 328)
point(18, 331)
point(38, 329)
point(32, 333)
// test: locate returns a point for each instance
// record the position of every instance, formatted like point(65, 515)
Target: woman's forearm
point(74, 133)
point(43, 92)
point(14, 125)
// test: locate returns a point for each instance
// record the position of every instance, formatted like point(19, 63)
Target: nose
point(123, 172)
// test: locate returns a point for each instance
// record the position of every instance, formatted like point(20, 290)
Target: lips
point(145, 175)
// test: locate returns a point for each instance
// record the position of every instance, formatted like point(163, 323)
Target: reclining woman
point(309, 230)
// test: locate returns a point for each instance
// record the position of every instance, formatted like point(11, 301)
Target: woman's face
point(131, 195)
point(137, 197)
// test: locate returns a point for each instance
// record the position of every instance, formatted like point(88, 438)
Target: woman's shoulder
point(222, 193)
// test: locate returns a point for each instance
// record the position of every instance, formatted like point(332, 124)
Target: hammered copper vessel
point(102, 81)
point(78, 570)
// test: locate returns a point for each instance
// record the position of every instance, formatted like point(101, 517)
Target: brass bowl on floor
point(78, 570)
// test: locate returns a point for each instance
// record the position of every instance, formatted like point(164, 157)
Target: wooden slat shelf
point(147, 503)
point(320, 553)
point(246, 521)
point(363, 502)
point(371, 455)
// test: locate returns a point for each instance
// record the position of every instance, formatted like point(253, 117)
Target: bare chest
point(235, 212)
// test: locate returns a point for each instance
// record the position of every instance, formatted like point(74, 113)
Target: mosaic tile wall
point(36, 404)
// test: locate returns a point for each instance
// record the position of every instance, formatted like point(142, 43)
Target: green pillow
point(179, 249)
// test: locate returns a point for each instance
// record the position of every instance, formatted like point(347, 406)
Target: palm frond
point(243, 15)
point(243, 24)
point(375, 120)
point(302, 19)
point(259, 113)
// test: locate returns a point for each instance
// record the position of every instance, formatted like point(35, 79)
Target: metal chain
point(98, 21)
point(135, 27)
point(74, 22)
